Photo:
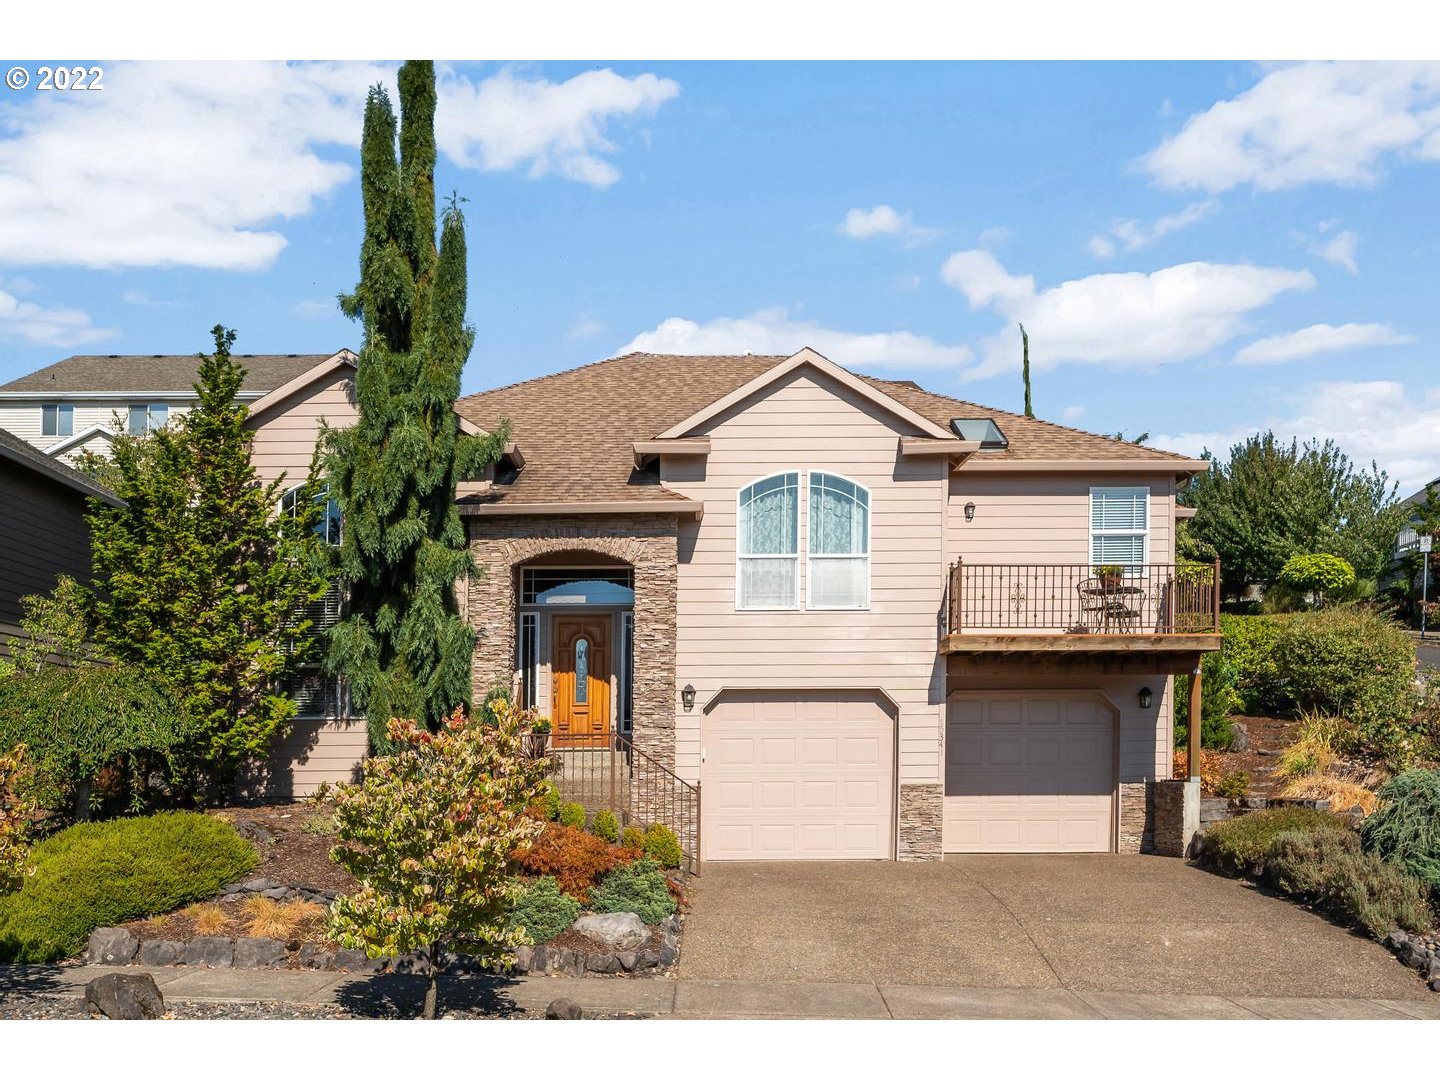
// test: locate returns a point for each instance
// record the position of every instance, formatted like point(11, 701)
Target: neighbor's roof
point(17, 451)
point(576, 428)
point(80, 375)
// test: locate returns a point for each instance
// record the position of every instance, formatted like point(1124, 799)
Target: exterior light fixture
point(687, 697)
point(1145, 697)
point(969, 511)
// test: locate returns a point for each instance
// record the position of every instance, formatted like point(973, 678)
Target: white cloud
point(1380, 421)
point(198, 164)
point(773, 332)
point(506, 122)
point(884, 220)
point(1317, 339)
point(993, 237)
point(1072, 412)
point(140, 298)
point(1307, 123)
point(315, 309)
point(587, 327)
point(1134, 235)
point(1340, 249)
point(1132, 319)
point(60, 328)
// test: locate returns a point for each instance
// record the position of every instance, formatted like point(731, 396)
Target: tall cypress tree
point(1025, 367)
point(402, 645)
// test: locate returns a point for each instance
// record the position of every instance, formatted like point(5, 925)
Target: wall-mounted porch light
point(687, 697)
point(1145, 697)
point(969, 511)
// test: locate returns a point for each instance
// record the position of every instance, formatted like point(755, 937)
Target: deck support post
point(1192, 763)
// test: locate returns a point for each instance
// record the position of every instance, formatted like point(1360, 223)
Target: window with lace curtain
point(838, 568)
point(767, 548)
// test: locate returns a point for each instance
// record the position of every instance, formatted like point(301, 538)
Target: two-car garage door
point(1029, 772)
point(805, 775)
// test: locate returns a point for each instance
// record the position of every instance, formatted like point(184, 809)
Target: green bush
point(102, 873)
point(1233, 785)
point(1405, 828)
point(1353, 887)
point(639, 887)
point(1320, 574)
point(1242, 844)
point(1249, 644)
point(543, 912)
point(572, 814)
point(663, 846)
point(632, 838)
point(1218, 699)
point(605, 826)
point(1354, 663)
point(550, 800)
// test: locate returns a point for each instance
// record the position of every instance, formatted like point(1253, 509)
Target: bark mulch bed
point(1268, 735)
point(294, 842)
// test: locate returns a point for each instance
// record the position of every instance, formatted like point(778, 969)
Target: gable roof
point(19, 452)
point(578, 427)
point(95, 375)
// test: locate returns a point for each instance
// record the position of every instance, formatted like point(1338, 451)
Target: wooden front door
point(582, 680)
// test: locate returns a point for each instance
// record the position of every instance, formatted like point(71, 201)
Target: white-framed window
point(329, 528)
point(1119, 526)
point(57, 419)
point(768, 544)
point(145, 419)
point(527, 661)
point(838, 569)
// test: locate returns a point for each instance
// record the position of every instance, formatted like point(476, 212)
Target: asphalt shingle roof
point(575, 428)
point(157, 374)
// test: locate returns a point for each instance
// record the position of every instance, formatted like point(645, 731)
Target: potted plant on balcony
point(1109, 576)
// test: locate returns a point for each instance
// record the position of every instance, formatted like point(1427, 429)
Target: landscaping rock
point(1395, 938)
point(627, 960)
point(1412, 954)
point(602, 963)
point(539, 958)
point(619, 930)
point(253, 831)
point(316, 957)
point(260, 884)
point(279, 892)
point(355, 960)
point(669, 953)
point(1241, 742)
point(210, 952)
point(111, 945)
point(123, 996)
point(563, 1009)
point(523, 955)
point(158, 953)
point(413, 963)
point(259, 952)
point(648, 959)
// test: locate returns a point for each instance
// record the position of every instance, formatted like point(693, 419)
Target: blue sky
point(1198, 250)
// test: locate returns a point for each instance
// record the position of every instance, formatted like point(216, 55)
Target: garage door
point(1029, 773)
point(789, 776)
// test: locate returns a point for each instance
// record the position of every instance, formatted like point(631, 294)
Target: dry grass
point(210, 919)
point(1343, 794)
point(272, 919)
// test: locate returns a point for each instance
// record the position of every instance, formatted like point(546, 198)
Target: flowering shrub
point(576, 858)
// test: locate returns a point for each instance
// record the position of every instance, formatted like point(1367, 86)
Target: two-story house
point(865, 620)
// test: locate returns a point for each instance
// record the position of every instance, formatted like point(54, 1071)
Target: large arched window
point(328, 528)
point(768, 550)
point(839, 565)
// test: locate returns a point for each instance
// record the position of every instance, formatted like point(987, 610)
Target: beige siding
point(23, 418)
point(315, 752)
point(286, 434)
point(1043, 517)
point(802, 423)
point(43, 534)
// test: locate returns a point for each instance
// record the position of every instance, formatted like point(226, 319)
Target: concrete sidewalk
point(727, 1000)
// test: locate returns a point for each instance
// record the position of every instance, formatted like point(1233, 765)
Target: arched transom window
point(839, 522)
point(329, 526)
point(768, 548)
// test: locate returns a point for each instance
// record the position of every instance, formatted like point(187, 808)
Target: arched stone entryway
point(646, 542)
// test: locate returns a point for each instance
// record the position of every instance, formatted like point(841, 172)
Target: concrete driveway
point(1122, 923)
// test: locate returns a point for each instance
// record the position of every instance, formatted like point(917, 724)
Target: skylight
point(982, 430)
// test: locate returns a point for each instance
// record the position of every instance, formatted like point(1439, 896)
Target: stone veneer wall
point(646, 541)
point(921, 808)
point(1137, 830)
point(1168, 814)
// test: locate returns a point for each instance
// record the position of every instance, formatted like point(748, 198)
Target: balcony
point(1082, 608)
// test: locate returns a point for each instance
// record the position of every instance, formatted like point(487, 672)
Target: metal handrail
point(1084, 598)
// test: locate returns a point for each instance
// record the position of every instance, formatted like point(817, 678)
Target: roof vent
point(980, 429)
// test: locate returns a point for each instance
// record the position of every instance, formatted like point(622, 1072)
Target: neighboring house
point(43, 532)
point(869, 621)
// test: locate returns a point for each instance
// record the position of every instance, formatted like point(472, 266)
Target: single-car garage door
point(797, 776)
point(1029, 772)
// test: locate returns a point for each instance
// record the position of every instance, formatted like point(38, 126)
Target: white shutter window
point(839, 523)
point(1119, 526)
point(767, 544)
